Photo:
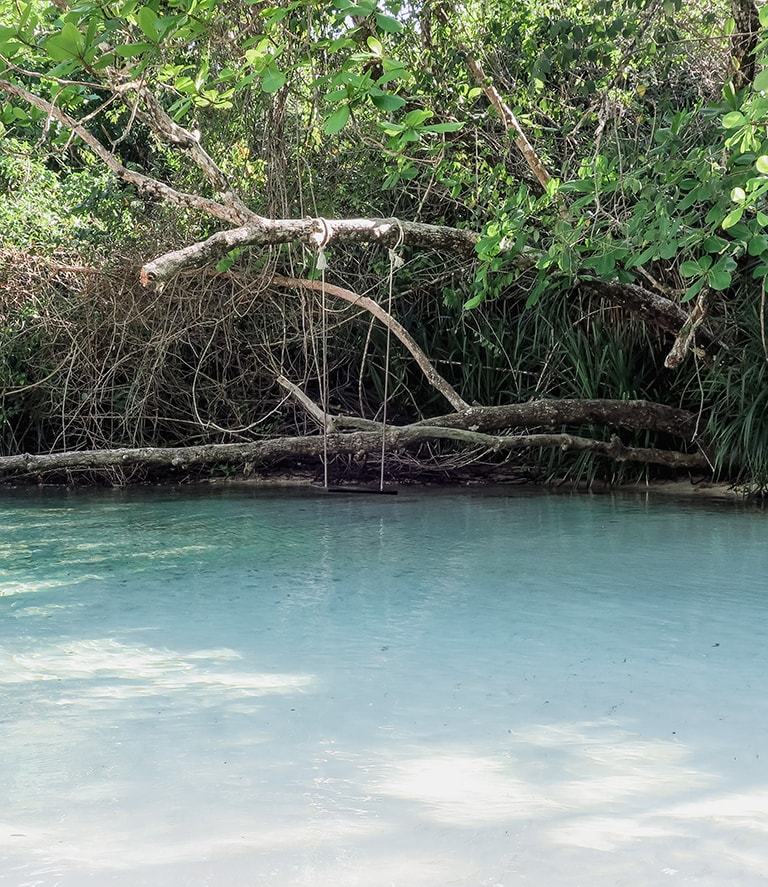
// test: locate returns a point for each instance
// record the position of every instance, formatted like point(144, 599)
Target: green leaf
point(388, 102)
point(146, 18)
point(388, 24)
point(690, 268)
point(733, 119)
point(719, 279)
point(733, 217)
point(762, 164)
point(337, 120)
point(474, 301)
point(762, 219)
point(761, 82)
point(714, 244)
point(693, 290)
point(740, 231)
point(273, 79)
point(583, 186)
point(442, 127)
point(757, 245)
point(375, 46)
point(67, 44)
point(416, 118)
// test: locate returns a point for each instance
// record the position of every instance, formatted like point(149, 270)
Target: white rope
point(395, 261)
point(321, 238)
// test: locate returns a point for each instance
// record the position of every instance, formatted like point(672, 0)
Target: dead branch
point(145, 184)
point(508, 118)
point(268, 232)
point(267, 452)
point(688, 330)
point(149, 110)
point(397, 329)
point(656, 309)
point(634, 415)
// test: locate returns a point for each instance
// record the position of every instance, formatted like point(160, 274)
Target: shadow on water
point(240, 689)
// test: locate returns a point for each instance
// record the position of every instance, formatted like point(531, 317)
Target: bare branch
point(266, 452)
point(149, 110)
point(656, 309)
point(510, 121)
point(636, 415)
point(145, 184)
point(687, 332)
point(397, 329)
point(276, 231)
point(322, 418)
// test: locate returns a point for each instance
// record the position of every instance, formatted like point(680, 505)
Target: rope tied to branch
point(395, 262)
point(320, 236)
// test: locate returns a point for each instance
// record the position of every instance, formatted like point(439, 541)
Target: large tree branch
point(635, 415)
point(149, 110)
point(658, 310)
point(276, 231)
point(267, 452)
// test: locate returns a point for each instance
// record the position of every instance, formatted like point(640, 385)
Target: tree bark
point(744, 41)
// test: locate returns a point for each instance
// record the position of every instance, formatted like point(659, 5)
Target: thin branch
point(145, 184)
point(322, 418)
point(397, 329)
point(149, 110)
point(510, 121)
point(687, 333)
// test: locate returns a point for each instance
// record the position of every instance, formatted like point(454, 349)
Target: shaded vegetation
point(644, 116)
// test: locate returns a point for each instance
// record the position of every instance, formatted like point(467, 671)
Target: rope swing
point(320, 238)
point(322, 263)
point(395, 262)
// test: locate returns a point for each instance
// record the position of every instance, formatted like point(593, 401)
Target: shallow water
point(239, 689)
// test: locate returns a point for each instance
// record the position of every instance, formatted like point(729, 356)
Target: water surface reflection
point(244, 689)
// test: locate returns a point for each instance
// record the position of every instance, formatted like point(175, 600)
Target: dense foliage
point(647, 120)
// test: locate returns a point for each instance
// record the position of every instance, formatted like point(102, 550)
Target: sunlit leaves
point(272, 79)
point(733, 119)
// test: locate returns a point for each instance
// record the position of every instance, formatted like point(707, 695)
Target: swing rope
point(395, 261)
point(322, 264)
point(320, 238)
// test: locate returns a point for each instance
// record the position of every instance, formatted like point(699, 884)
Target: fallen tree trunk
point(263, 453)
point(636, 415)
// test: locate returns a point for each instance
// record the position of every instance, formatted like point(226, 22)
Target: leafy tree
point(606, 151)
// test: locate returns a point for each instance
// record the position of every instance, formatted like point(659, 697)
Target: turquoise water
point(239, 688)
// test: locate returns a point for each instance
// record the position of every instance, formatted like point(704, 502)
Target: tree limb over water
point(262, 454)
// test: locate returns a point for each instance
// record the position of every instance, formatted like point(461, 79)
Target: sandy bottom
point(242, 689)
